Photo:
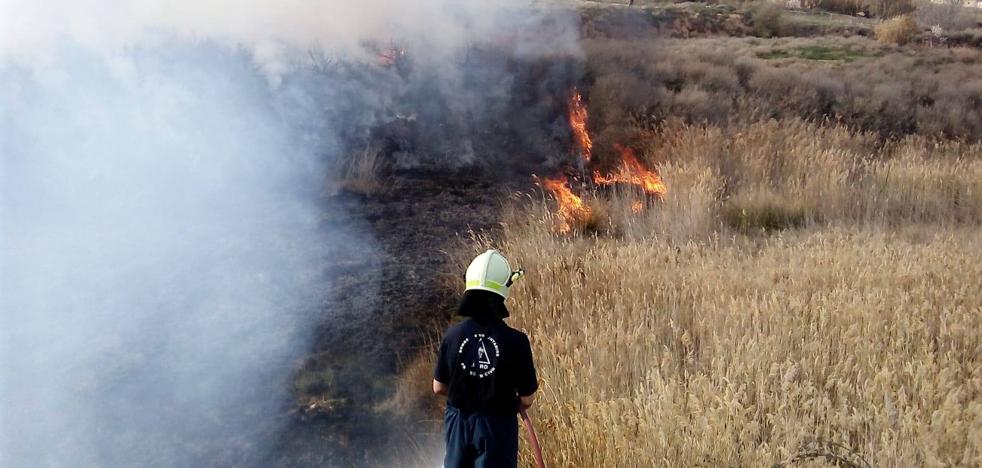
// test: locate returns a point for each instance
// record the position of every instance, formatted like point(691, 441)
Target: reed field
point(709, 330)
point(849, 345)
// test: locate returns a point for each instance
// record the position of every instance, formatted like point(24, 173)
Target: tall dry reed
point(858, 343)
point(677, 338)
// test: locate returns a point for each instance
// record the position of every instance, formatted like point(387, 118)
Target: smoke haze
point(163, 255)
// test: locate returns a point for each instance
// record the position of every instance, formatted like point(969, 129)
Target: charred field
point(383, 311)
point(422, 183)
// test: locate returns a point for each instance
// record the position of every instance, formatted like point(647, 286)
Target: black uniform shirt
point(487, 365)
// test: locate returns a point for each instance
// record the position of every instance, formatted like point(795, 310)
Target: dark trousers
point(480, 440)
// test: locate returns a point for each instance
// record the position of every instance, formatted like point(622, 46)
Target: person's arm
point(441, 372)
point(527, 382)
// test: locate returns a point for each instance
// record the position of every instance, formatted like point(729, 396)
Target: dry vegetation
point(856, 81)
point(683, 337)
point(899, 30)
point(359, 173)
point(748, 352)
point(808, 292)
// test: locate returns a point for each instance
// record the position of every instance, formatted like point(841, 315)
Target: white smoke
point(162, 250)
point(161, 256)
point(33, 30)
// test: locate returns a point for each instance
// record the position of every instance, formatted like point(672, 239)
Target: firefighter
point(485, 370)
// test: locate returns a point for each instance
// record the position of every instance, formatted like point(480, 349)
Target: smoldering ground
point(165, 174)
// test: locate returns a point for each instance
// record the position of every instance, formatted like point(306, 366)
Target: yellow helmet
point(490, 271)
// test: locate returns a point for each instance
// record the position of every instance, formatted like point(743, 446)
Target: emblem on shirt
point(478, 355)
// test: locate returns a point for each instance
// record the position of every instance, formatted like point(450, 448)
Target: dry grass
point(900, 30)
point(876, 8)
point(413, 390)
point(950, 15)
point(359, 173)
point(853, 343)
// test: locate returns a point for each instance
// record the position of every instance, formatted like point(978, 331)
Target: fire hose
point(536, 449)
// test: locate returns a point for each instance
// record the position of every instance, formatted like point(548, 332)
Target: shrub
point(874, 8)
point(724, 80)
point(899, 30)
point(767, 19)
point(890, 8)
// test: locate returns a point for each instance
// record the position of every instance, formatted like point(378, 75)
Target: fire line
point(572, 211)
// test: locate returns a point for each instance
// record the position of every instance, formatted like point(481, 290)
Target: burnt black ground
point(381, 307)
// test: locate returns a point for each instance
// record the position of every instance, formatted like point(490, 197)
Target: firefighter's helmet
point(490, 271)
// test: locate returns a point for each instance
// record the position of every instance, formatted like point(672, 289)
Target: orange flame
point(389, 55)
point(577, 122)
point(572, 210)
point(632, 172)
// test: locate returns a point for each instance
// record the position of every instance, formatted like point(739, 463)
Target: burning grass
point(572, 213)
point(777, 175)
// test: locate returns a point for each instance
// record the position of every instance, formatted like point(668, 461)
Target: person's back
point(486, 370)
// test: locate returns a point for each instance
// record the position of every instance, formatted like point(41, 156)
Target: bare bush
point(856, 81)
point(767, 19)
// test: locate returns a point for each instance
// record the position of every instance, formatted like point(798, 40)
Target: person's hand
point(525, 402)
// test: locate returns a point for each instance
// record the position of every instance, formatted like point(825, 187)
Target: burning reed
point(769, 176)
